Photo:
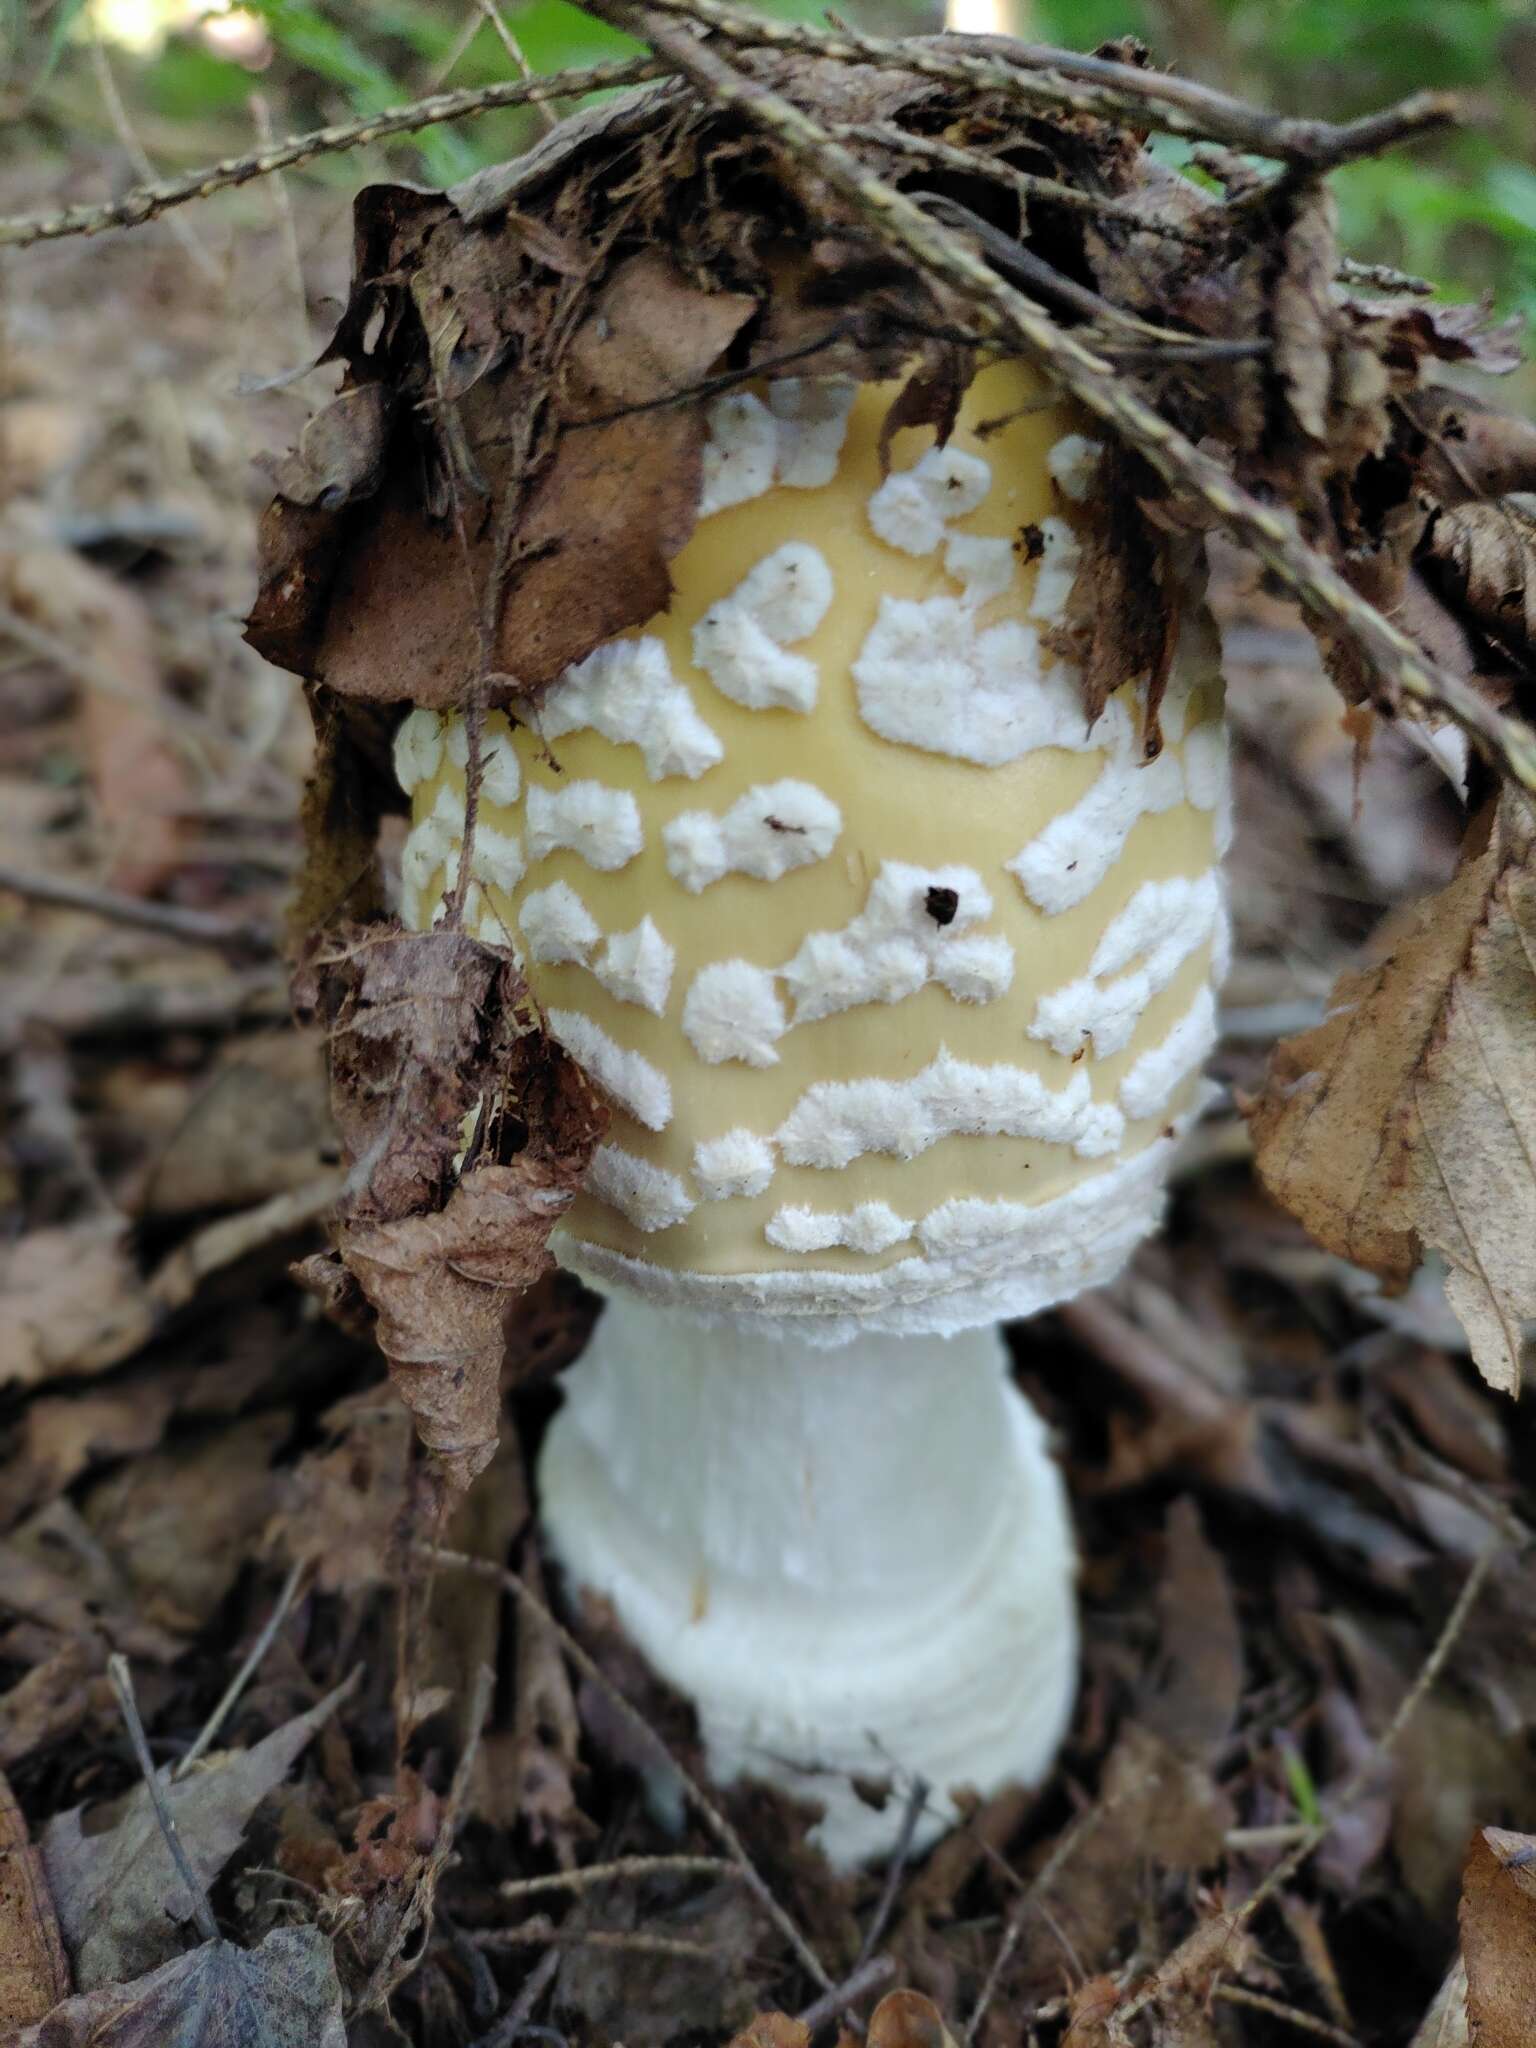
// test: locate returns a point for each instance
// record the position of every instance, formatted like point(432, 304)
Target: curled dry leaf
point(426, 1031)
point(1407, 1120)
point(284, 1994)
point(1498, 1937)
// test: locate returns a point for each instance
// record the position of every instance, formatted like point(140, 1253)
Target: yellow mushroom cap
point(898, 976)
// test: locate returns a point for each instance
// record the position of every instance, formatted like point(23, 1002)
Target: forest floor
point(1284, 1482)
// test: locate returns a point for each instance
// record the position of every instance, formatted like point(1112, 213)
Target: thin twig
point(390, 1972)
point(869, 1976)
point(1305, 2022)
point(196, 927)
point(1025, 1904)
point(1029, 185)
point(516, 2019)
point(1063, 81)
point(121, 1679)
point(137, 156)
point(697, 1798)
point(144, 202)
point(542, 1933)
point(636, 1867)
point(514, 49)
point(1268, 531)
point(912, 1813)
point(247, 1671)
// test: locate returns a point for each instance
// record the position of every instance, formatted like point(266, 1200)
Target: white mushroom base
point(858, 1563)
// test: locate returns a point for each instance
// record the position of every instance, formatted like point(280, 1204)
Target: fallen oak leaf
point(284, 1994)
point(1407, 1120)
point(118, 1895)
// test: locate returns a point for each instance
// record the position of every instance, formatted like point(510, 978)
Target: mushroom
point(898, 975)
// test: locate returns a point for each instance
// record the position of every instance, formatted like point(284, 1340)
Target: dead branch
point(1001, 310)
point(195, 927)
point(1062, 81)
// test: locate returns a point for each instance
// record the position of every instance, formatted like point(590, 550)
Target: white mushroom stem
point(856, 1562)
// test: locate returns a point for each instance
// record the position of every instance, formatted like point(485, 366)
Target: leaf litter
point(1283, 1476)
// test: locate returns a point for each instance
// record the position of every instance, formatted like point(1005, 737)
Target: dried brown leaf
point(561, 553)
point(137, 776)
point(906, 2019)
point(1198, 1686)
point(50, 1700)
point(283, 1994)
point(425, 1029)
point(71, 1302)
point(773, 2030)
point(340, 454)
point(1498, 1937)
point(184, 1521)
point(340, 1507)
point(1483, 559)
point(34, 1975)
point(1407, 1120)
point(1301, 308)
point(120, 1901)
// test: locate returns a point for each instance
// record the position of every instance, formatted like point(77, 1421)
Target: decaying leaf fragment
point(426, 1031)
point(120, 1902)
point(1407, 1120)
point(284, 1994)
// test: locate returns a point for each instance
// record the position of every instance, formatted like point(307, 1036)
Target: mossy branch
point(145, 202)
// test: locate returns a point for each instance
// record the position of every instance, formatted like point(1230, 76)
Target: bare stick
point(196, 927)
point(144, 202)
point(1306, 2022)
point(247, 1671)
point(1000, 309)
point(122, 1685)
point(695, 1794)
point(543, 1934)
point(637, 1867)
point(868, 1976)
